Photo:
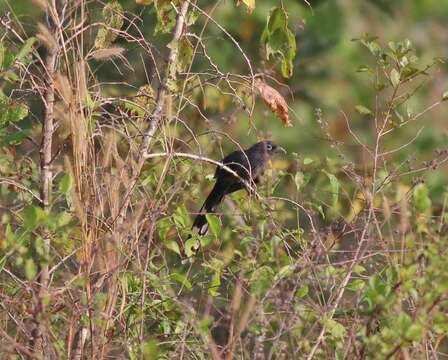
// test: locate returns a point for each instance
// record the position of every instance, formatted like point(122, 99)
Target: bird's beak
point(280, 149)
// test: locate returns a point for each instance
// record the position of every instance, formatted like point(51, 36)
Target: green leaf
point(285, 271)
point(334, 184)
point(113, 18)
point(250, 5)
point(2, 55)
point(15, 138)
point(414, 332)
point(422, 202)
point(261, 280)
point(163, 226)
point(299, 179)
point(356, 285)
point(30, 269)
point(302, 292)
point(63, 219)
point(214, 223)
point(395, 77)
point(173, 246)
point(215, 283)
point(204, 325)
point(307, 161)
point(26, 48)
point(166, 17)
point(6, 58)
point(39, 246)
point(336, 329)
point(192, 17)
point(150, 350)
point(18, 112)
point(181, 217)
point(182, 279)
point(9, 234)
point(30, 217)
point(191, 245)
point(363, 110)
point(205, 240)
point(279, 41)
point(362, 68)
point(185, 54)
point(374, 48)
point(65, 184)
point(403, 323)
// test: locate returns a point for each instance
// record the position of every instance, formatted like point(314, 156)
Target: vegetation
point(112, 116)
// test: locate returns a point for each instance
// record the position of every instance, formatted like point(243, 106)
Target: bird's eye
point(269, 147)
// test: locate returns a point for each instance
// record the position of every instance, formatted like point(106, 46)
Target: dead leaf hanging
point(274, 100)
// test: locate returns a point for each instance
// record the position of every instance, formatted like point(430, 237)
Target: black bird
point(249, 164)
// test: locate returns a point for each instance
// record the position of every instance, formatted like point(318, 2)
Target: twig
point(20, 186)
point(37, 341)
point(155, 117)
point(205, 159)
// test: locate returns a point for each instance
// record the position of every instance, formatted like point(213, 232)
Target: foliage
point(339, 252)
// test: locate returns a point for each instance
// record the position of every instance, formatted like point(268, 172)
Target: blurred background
point(326, 71)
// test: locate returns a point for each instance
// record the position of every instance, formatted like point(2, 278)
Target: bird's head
point(271, 148)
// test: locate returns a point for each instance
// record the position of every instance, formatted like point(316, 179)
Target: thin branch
point(205, 159)
point(22, 187)
point(155, 117)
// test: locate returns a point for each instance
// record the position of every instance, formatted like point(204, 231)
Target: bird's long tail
point(215, 197)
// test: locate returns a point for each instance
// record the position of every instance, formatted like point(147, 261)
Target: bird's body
point(248, 164)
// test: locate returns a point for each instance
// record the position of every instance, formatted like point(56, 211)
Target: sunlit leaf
point(30, 269)
point(307, 161)
point(337, 330)
point(215, 283)
point(261, 280)
point(334, 185)
point(214, 223)
point(113, 18)
point(299, 179)
point(65, 184)
point(150, 348)
point(395, 77)
point(356, 285)
point(31, 217)
point(190, 246)
point(302, 292)
point(185, 54)
point(26, 48)
point(250, 5)
point(182, 279)
point(363, 110)
point(173, 246)
point(422, 202)
point(279, 41)
point(166, 17)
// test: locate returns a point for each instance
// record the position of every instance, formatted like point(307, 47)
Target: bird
point(248, 164)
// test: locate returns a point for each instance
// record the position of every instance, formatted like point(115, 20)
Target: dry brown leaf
point(108, 53)
point(274, 100)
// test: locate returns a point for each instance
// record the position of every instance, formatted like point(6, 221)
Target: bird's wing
point(237, 161)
